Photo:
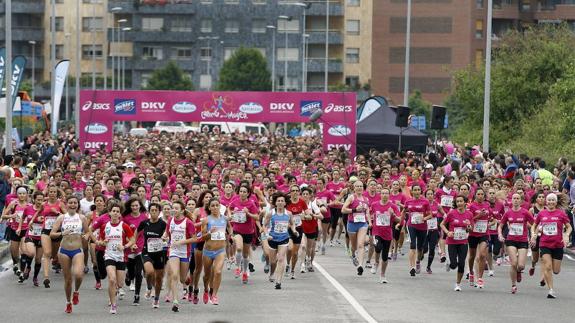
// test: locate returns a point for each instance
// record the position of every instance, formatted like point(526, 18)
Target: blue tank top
point(279, 224)
point(220, 224)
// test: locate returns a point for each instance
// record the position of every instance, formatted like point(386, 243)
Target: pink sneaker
point(215, 300)
point(471, 280)
point(513, 289)
point(245, 278)
point(237, 272)
point(206, 297)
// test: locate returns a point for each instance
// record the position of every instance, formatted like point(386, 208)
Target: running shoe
point(471, 280)
point(480, 283)
point(498, 261)
point(68, 308)
point(98, 285)
point(35, 282)
point(237, 272)
point(551, 294)
point(245, 278)
point(251, 267)
point(513, 289)
point(278, 286)
point(136, 301)
point(491, 273)
point(292, 275)
point(457, 288)
point(113, 309)
point(15, 269)
point(368, 264)
point(121, 293)
point(271, 279)
point(354, 261)
point(206, 297)
point(21, 279)
point(331, 244)
point(443, 258)
point(76, 298)
point(542, 283)
point(267, 268)
point(359, 270)
point(195, 298)
point(418, 267)
point(302, 268)
point(323, 250)
point(310, 268)
point(374, 269)
point(428, 270)
point(229, 265)
point(86, 270)
point(215, 300)
point(132, 287)
point(175, 307)
point(156, 304)
point(148, 294)
point(519, 278)
point(46, 283)
point(531, 271)
point(412, 272)
point(447, 267)
point(383, 280)
point(167, 299)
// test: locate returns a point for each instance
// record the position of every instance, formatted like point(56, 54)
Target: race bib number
point(113, 246)
point(36, 229)
point(432, 224)
point(480, 226)
point(550, 229)
point(459, 234)
point(493, 227)
point(281, 227)
point(516, 229)
point(155, 244)
point(49, 223)
point(359, 217)
point(416, 218)
point(19, 215)
point(219, 234)
point(239, 217)
point(382, 219)
point(297, 220)
point(447, 201)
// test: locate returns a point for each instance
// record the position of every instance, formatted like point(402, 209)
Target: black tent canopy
point(378, 131)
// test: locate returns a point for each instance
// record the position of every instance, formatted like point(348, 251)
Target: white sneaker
point(121, 293)
point(383, 280)
point(302, 269)
point(457, 288)
point(373, 269)
point(132, 287)
point(491, 273)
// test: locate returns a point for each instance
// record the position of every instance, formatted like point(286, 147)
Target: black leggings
point(494, 245)
point(382, 246)
point(335, 215)
point(457, 254)
point(100, 263)
point(417, 238)
point(135, 267)
point(430, 244)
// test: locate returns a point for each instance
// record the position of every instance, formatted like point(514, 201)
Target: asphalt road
point(334, 293)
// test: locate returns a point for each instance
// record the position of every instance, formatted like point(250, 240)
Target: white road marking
point(352, 301)
point(570, 258)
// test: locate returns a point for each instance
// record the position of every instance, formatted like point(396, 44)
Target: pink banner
point(99, 110)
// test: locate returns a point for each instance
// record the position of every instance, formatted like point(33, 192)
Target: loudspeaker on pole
point(438, 117)
point(402, 116)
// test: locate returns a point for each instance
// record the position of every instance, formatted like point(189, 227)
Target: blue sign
point(418, 122)
point(446, 123)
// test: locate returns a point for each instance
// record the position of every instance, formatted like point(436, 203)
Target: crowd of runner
point(162, 212)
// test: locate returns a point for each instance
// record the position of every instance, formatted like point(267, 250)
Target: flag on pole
point(60, 73)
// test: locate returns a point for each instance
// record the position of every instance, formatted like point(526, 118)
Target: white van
point(231, 127)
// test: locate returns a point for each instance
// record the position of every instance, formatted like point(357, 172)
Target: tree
point(171, 77)
point(418, 106)
point(526, 68)
point(245, 70)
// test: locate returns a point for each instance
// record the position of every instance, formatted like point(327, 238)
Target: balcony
point(27, 33)
point(155, 36)
point(557, 12)
point(318, 8)
point(334, 65)
point(170, 7)
point(506, 12)
point(150, 63)
point(318, 37)
point(27, 6)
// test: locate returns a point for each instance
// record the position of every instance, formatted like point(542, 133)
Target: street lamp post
point(273, 29)
point(326, 63)
point(67, 55)
point(52, 52)
point(304, 7)
point(78, 57)
point(33, 43)
point(124, 30)
point(8, 77)
point(407, 56)
point(487, 94)
point(113, 10)
point(285, 20)
point(119, 60)
point(93, 34)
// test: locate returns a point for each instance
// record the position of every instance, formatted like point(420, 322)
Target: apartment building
point(446, 35)
point(358, 44)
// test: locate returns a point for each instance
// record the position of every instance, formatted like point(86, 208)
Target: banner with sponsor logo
point(2, 67)
point(61, 72)
point(99, 110)
point(18, 65)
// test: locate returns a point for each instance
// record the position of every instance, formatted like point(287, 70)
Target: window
point(92, 24)
point(352, 81)
point(152, 24)
point(88, 52)
point(151, 52)
point(206, 53)
point(59, 24)
point(352, 27)
point(84, 1)
point(291, 83)
point(352, 55)
point(182, 53)
point(478, 29)
point(181, 24)
point(259, 26)
point(353, 3)
point(289, 26)
point(229, 51)
point(292, 54)
point(479, 4)
point(206, 26)
point(232, 26)
point(478, 58)
point(232, 1)
point(259, 1)
point(59, 51)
